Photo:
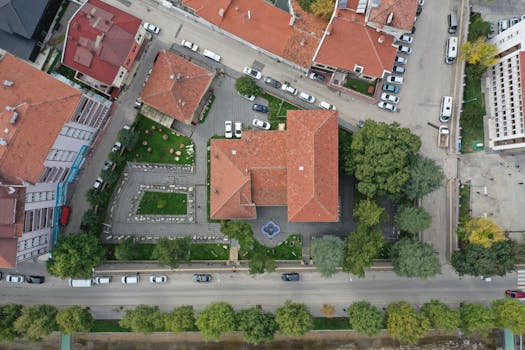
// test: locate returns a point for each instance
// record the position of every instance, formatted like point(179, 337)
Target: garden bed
point(291, 249)
point(198, 251)
point(163, 203)
point(361, 86)
point(322, 323)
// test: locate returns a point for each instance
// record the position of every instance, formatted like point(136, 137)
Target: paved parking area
point(493, 11)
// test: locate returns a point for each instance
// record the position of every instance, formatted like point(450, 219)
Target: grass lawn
point(473, 110)
point(144, 251)
point(108, 326)
point(464, 203)
point(278, 108)
point(333, 323)
point(291, 249)
point(163, 203)
point(209, 251)
point(152, 136)
point(360, 86)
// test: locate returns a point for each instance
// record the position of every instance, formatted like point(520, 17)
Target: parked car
point(421, 2)
point(188, 44)
point(388, 106)
point(514, 21)
point(228, 129)
point(151, 28)
point(0, 276)
point(35, 279)
point(419, 10)
point(391, 88)
point(401, 60)
point(405, 38)
point(252, 73)
point(260, 108)
point(360, 123)
point(158, 279)
point(394, 79)
point(503, 25)
point(130, 279)
point(15, 278)
point(326, 105)
point(103, 279)
point(211, 55)
point(317, 76)
point(289, 89)
point(404, 49)
point(108, 165)
point(398, 69)
point(261, 124)
point(201, 278)
point(306, 97)
point(98, 183)
point(238, 129)
point(515, 293)
point(389, 97)
point(116, 147)
point(138, 103)
point(272, 82)
point(290, 277)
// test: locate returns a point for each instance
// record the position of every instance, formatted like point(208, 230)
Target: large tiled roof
point(352, 43)
point(176, 86)
point(298, 168)
point(43, 104)
point(403, 13)
point(101, 39)
point(11, 218)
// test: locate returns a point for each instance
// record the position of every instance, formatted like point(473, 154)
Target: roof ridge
point(380, 12)
point(372, 43)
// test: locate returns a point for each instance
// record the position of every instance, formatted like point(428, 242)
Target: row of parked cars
point(133, 279)
point(14, 278)
point(504, 24)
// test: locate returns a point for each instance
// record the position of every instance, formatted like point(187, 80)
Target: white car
point(394, 79)
point(158, 279)
point(398, 69)
point(228, 129)
point(404, 49)
point(388, 106)
point(389, 97)
point(289, 89)
point(261, 124)
point(503, 25)
point(405, 38)
point(189, 45)
point(252, 73)
point(15, 278)
point(238, 129)
point(401, 60)
point(151, 28)
point(306, 97)
point(116, 147)
point(98, 183)
point(326, 105)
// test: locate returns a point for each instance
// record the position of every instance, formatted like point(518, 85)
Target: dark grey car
point(272, 82)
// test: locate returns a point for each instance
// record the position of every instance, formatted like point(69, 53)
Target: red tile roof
point(404, 12)
point(43, 105)
point(297, 167)
point(176, 86)
point(352, 43)
point(101, 39)
point(11, 218)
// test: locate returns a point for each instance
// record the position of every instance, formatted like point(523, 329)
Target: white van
point(130, 279)
point(452, 22)
point(446, 109)
point(81, 283)
point(452, 50)
point(326, 105)
point(306, 97)
point(212, 55)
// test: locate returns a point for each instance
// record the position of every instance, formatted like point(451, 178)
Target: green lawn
point(360, 86)
point(278, 108)
point(163, 203)
point(152, 137)
point(321, 323)
point(291, 249)
point(209, 251)
point(108, 326)
point(144, 251)
point(473, 110)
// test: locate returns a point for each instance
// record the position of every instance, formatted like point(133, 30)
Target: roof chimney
point(179, 76)
point(390, 18)
point(8, 83)
point(14, 117)
point(221, 12)
point(381, 39)
point(249, 14)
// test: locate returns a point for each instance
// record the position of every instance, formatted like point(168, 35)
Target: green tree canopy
point(8, 315)
point(479, 52)
point(509, 313)
point(93, 221)
point(404, 323)
point(476, 318)
point(75, 255)
point(144, 319)
point(481, 231)
point(412, 219)
point(247, 86)
point(172, 252)
point(128, 250)
point(110, 177)
point(368, 212)
point(305, 4)
point(412, 258)
point(74, 319)
point(323, 8)
point(180, 319)
point(366, 318)
point(128, 138)
point(294, 319)
point(36, 322)
point(328, 254)
point(361, 248)
point(97, 198)
point(425, 177)
point(478, 27)
point(476, 260)
point(215, 319)
point(380, 158)
point(345, 147)
point(241, 231)
point(257, 326)
point(441, 316)
point(260, 262)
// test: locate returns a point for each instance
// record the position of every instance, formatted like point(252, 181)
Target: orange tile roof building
point(297, 168)
point(45, 123)
point(176, 90)
point(395, 17)
point(102, 44)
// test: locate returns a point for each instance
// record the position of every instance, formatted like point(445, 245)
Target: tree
point(305, 4)
point(412, 219)
point(328, 310)
point(441, 316)
point(380, 158)
point(323, 8)
point(128, 250)
point(180, 319)
point(172, 252)
point(404, 323)
point(478, 27)
point(8, 315)
point(75, 255)
point(257, 326)
point(412, 258)
point(144, 318)
point(117, 158)
point(215, 319)
point(509, 313)
point(476, 318)
point(97, 198)
point(481, 231)
point(74, 319)
point(345, 147)
point(425, 177)
point(92, 221)
point(476, 260)
point(361, 248)
point(241, 231)
point(328, 254)
point(128, 138)
point(366, 318)
point(110, 177)
point(368, 212)
point(294, 319)
point(247, 86)
point(260, 262)
point(36, 322)
point(479, 52)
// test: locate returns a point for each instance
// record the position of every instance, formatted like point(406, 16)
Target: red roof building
point(392, 16)
point(102, 43)
point(297, 168)
point(11, 219)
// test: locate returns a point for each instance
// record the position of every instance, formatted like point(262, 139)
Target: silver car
point(15, 278)
point(388, 106)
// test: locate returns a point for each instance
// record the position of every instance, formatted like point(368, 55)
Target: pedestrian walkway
point(521, 279)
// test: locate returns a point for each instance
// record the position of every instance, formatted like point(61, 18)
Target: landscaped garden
point(163, 203)
point(278, 109)
point(198, 251)
point(361, 86)
point(290, 249)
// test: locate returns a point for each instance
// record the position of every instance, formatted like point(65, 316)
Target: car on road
point(151, 28)
point(515, 293)
point(306, 97)
point(108, 165)
point(188, 44)
point(288, 88)
point(388, 106)
point(404, 49)
point(326, 105)
point(272, 82)
point(211, 55)
point(0, 276)
point(15, 278)
point(238, 129)
point(103, 279)
point(130, 279)
point(394, 79)
point(260, 108)
point(201, 277)
point(261, 124)
point(290, 277)
point(391, 88)
point(35, 279)
point(98, 183)
point(228, 129)
point(421, 2)
point(317, 76)
point(252, 73)
point(398, 69)
point(401, 60)
point(389, 97)
point(138, 103)
point(116, 147)
point(405, 38)
point(158, 279)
